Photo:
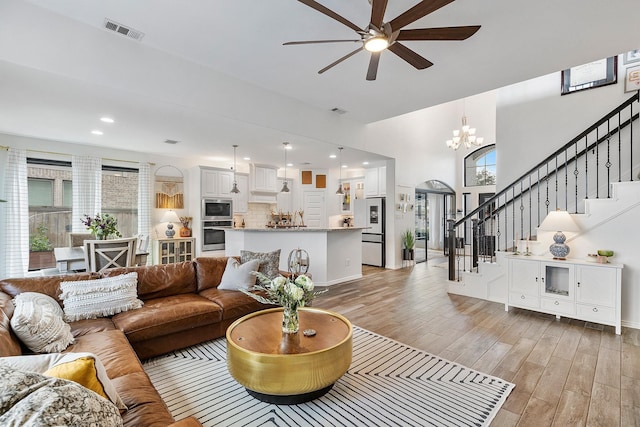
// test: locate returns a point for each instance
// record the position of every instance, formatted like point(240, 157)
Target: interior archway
point(435, 202)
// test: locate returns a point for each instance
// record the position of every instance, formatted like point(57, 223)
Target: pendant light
point(285, 187)
point(234, 188)
point(340, 190)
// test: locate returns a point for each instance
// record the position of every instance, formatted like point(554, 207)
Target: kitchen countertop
point(297, 229)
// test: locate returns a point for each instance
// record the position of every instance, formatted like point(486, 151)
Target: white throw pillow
point(90, 299)
point(239, 276)
point(37, 321)
point(69, 366)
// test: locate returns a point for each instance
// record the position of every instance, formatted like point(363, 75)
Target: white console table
point(570, 288)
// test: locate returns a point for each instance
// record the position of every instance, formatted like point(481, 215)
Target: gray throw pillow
point(239, 276)
point(269, 262)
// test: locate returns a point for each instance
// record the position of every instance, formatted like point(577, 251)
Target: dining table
point(71, 259)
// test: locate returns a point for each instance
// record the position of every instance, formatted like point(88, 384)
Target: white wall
point(534, 120)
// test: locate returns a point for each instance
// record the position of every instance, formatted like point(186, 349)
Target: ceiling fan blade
point(410, 56)
point(331, 14)
point(418, 11)
point(318, 41)
point(333, 64)
point(372, 72)
point(444, 33)
point(378, 8)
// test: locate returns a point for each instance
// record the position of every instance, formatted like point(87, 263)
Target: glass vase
point(290, 320)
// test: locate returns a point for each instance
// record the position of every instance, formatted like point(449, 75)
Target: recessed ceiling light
point(246, 158)
point(365, 163)
point(97, 132)
point(345, 166)
point(289, 164)
point(332, 156)
point(106, 119)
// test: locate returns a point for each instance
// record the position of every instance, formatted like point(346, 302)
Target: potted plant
point(408, 242)
point(41, 250)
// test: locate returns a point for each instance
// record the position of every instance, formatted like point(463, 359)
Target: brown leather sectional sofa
point(182, 307)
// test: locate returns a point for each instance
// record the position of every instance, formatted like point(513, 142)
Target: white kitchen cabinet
point(375, 182)
point(215, 182)
point(241, 199)
point(570, 288)
point(263, 179)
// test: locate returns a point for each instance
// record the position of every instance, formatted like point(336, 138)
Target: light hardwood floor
point(567, 372)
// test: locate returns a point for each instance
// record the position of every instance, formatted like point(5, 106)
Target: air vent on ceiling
point(170, 141)
point(338, 110)
point(112, 25)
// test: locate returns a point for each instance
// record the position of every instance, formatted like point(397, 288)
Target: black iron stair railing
point(581, 169)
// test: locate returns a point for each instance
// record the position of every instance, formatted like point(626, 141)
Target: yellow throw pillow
point(82, 371)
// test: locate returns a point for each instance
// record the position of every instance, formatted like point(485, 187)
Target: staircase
point(589, 171)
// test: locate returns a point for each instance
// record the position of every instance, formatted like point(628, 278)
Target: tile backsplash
point(257, 216)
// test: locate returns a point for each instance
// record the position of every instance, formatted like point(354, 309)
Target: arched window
point(480, 167)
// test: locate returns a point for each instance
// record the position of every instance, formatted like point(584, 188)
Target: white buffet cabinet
point(335, 254)
point(570, 288)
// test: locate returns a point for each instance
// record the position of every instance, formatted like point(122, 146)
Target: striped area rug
point(388, 384)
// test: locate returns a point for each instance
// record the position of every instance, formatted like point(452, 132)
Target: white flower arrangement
point(284, 291)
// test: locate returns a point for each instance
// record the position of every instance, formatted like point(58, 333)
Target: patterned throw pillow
point(269, 262)
point(29, 398)
point(37, 321)
point(239, 276)
point(90, 299)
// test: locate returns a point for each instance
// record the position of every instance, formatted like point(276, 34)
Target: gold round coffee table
point(288, 369)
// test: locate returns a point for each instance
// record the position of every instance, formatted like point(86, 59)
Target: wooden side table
point(288, 369)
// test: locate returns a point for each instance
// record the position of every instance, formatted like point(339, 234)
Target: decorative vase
point(185, 232)
point(290, 320)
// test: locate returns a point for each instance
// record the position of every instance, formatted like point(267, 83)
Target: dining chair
point(103, 254)
point(77, 239)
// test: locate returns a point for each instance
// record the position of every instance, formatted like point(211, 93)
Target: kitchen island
point(335, 254)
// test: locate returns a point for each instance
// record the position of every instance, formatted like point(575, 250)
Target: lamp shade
point(559, 221)
point(170, 216)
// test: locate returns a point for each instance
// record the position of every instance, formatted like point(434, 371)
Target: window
point(480, 167)
point(50, 192)
point(120, 197)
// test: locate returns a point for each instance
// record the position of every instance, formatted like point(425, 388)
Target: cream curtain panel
point(87, 189)
point(14, 250)
point(144, 201)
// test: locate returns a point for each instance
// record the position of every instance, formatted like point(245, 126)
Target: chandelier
point(465, 136)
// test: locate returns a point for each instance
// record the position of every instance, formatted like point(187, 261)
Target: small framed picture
point(588, 76)
point(631, 57)
point(632, 79)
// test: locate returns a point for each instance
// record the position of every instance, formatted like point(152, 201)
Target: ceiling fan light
point(376, 44)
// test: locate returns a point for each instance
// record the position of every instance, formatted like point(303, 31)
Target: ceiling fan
point(379, 36)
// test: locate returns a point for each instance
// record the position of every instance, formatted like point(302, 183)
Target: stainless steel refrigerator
point(370, 214)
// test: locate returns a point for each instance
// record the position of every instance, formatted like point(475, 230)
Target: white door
point(314, 209)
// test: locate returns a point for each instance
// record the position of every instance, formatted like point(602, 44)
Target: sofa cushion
point(90, 299)
point(48, 285)
point(37, 321)
point(9, 343)
point(146, 407)
point(234, 304)
point(209, 271)
point(91, 326)
point(29, 398)
point(269, 261)
point(163, 316)
point(156, 281)
point(239, 276)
